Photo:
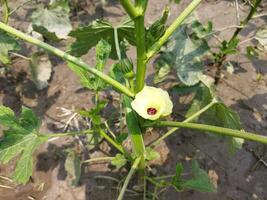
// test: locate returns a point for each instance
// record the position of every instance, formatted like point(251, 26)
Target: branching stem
point(118, 86)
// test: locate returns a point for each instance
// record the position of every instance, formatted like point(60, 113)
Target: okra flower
point(152, 103)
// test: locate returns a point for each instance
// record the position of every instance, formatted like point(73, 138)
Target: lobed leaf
point(200, 181)
point(20, 138)
point(88, 36)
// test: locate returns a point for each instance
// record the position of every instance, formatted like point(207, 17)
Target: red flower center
point(151, 111)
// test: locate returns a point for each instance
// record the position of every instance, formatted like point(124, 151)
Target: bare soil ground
point(240, 177)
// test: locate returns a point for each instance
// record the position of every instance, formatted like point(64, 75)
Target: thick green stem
point(215, 129)
point(136, 137)
point(141, 53)
point(191, 118)
point(128, 178)
point(118, 86)
point(130, 9)
point(134, 129)
point(156, 47)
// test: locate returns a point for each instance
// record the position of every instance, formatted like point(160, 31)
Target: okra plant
point(144, 107)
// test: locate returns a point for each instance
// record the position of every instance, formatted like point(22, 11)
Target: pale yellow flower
point(152, 103)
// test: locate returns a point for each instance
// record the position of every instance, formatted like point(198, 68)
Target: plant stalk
point(129, 8)
point(215, 129)
point(118, 86)
point(128, 178)
point(136, 137)
point(187, 11)
point(141, 53)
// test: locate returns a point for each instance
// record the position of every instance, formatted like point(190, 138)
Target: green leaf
point(28, 120)
point(157, 29)
point(229, 48)
point(7, 44)
point(221, 115)
point(41, 69)
point(25, 166)
point(200, 180)
point(21, 138)
point(116, 73)
point(121, 137)
point(94, 113)
point(119, 161)
point(202, 98)
point(89, 36)
point(7, 117)
point(177, 181)
point(87, 79)
point(73, 168)
point(52, 21)
point(151, 154)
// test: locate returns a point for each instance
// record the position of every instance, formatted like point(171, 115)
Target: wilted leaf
point(261, 36)
point(73, 168)
point(89, 36)
point(7, 44)
point(185, 52)
point(188, 56)
point(41, 69)
point(200, 180)
point(52, 21)
point(252, 52)
point(20, 138)
point(162, 70)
